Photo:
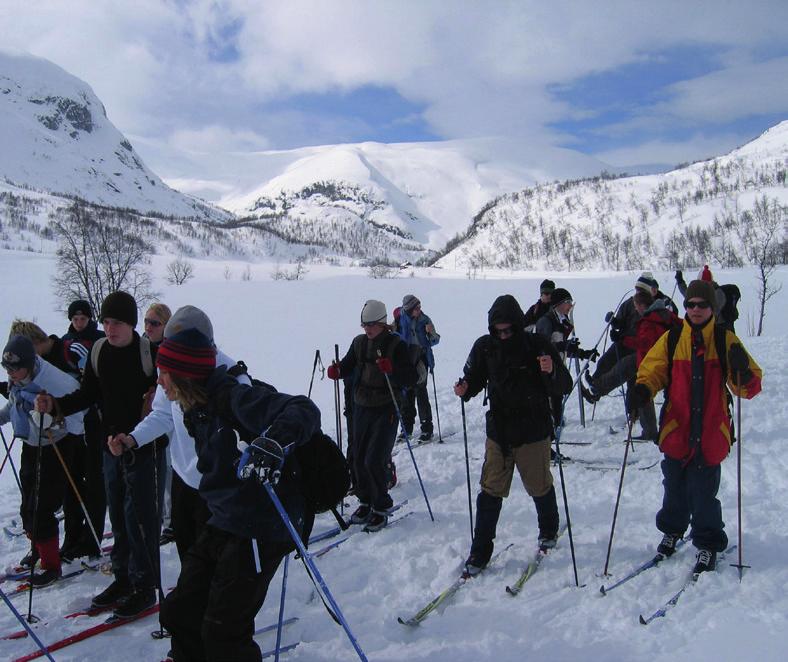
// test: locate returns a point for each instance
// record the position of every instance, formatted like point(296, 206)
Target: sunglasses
point(154, 323)
point(703, 305)
point(507, 331)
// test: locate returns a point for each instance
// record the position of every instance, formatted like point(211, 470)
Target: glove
point(42, 421)
point(608, 316)
point(333, 371)
point(616, 323)
point(263, 459)
point(637, 397)
point(739, 362)
point(588, 354)
point(384, 365)
point(615, 334)
point(679, 276)
point(572, 347)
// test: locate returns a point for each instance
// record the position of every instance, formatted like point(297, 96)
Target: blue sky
point(627, 82)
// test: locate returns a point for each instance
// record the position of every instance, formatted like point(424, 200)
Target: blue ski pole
point(307, 558)
point(279, 625)
point(25, 625)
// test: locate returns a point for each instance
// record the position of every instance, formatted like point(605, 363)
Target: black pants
point(374, 432)
point(87, 470)
point(132, 500)
point(417, 396)
point(612, 355)
point(691, 496)
point(189, 515)
point(211, 612)
point(50, 489)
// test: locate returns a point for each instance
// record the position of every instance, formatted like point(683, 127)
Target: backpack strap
point(94, 354)
point(146, 356)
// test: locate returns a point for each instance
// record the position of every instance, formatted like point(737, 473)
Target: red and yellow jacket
point(675, 425)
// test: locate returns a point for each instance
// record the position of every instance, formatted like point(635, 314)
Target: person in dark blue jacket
point(225, 574)
point(418, 331)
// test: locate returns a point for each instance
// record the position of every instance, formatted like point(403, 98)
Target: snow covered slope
point(55, 136)
point(630, 222)
point(425, 192)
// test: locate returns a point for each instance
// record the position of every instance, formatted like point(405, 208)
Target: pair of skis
point(448, 593)
point(653, 563)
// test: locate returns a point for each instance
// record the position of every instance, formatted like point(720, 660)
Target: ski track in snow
point(276, 326)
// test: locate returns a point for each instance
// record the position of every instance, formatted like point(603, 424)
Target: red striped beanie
point(188, 353)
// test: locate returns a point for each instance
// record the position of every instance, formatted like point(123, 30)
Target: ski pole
point(9, 458)
point(576, 361)
point(314, 367)
point(338, 417)
point(25, 625)
point(467, 465)
point(559, 429)
point(740, 565)
point(407, 440)
point(437, 411)
point(76, 491)
point(279, 624)
point(307, 558)
point(618, 495)
point(604, 349)
point(36, 495)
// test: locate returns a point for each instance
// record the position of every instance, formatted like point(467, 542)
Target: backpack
point(730, 311)
point(325, 473)
point(145, 356)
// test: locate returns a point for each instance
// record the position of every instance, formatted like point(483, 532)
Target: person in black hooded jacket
point(521, 371)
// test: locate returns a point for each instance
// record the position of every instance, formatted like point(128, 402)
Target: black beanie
point(80, 307)
point(120, 306)
point(559, 296)
point(546, 287)
point(19, 352)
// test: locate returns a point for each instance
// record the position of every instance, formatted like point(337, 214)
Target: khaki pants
point(532, 461)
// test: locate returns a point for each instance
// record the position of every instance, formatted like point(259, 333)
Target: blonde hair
point(29, 330)
point(162, 311)
point(188, 392)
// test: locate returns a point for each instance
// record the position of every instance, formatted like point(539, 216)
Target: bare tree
point(179, 271)
point(95, 258)
point(762, 233)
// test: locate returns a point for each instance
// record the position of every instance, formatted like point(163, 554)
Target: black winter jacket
point(243, 507)
point(517, 390)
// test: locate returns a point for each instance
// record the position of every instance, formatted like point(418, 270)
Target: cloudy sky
point(628, 82)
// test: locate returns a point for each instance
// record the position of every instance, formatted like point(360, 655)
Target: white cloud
point(477, 67)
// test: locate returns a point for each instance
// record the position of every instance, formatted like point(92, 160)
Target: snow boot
point(361, 515)
point(113, 594)
point(137, 602)
point(376, 522)
point(547, 518)
point(488, 509)
point(45, 578)
point(668, 544)
point(706, 560)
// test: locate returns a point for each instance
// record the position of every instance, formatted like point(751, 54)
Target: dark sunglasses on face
point(153, 323)
point(703, 305)
point(506, 331)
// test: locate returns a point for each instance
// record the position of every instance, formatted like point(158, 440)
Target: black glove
point(679, 276)
point(739, 363)
point(572, 347)
point(616, 323)
point(263, 458)
point(588, 354)
point(608, 316)
point(615, 335)
point(637, 397)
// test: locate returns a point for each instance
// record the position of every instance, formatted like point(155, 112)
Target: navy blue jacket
point(242, 507)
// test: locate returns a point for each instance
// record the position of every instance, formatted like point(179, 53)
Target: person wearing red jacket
point(695, 427)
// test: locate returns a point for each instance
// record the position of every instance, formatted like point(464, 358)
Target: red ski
point(90, 611)
point(87, 633)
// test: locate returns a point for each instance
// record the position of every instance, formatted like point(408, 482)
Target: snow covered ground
point(275, 326)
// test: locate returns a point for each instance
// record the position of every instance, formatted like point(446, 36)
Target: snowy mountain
point(679, 217)
point(56, 137)
point(421, 194)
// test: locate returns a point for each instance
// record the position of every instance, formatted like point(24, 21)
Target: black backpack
point(325, 474)
point(730, 311)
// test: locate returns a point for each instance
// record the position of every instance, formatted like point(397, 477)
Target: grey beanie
point(19, 352)
point(646, 282)
point(189, 317)
point(409, 302)
point(373, 311)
